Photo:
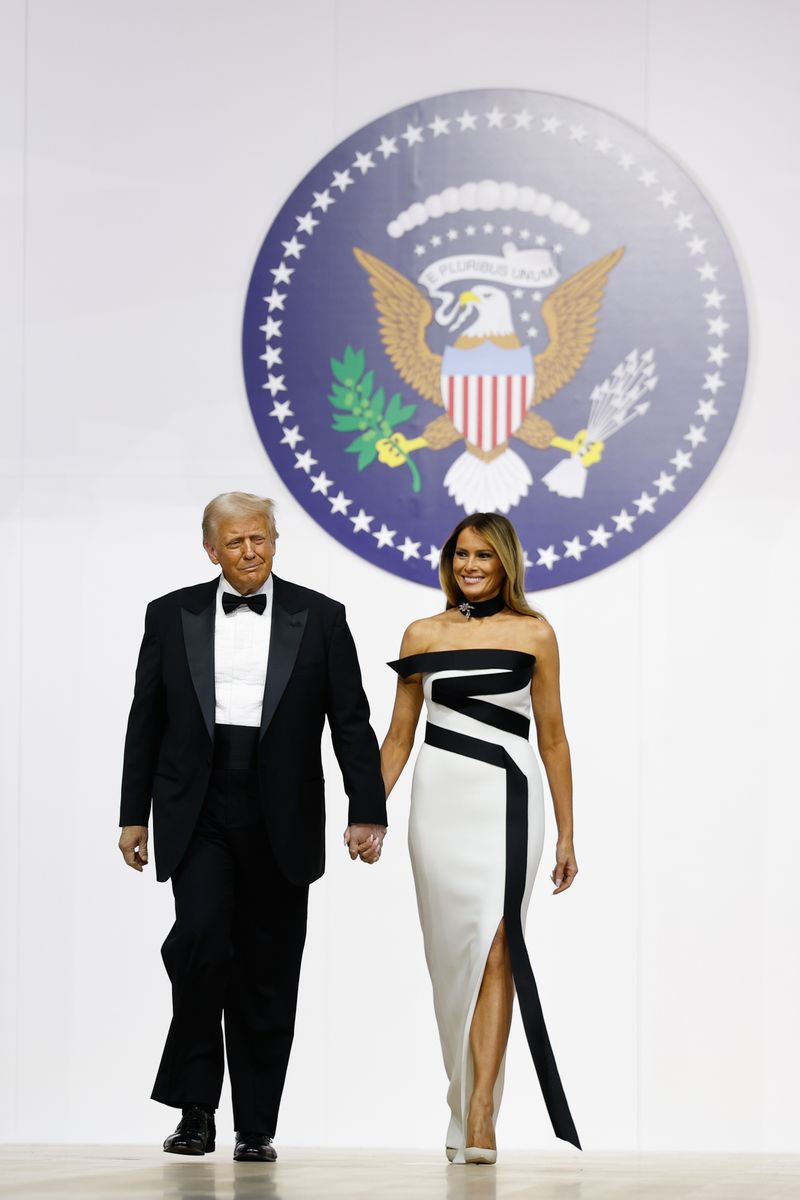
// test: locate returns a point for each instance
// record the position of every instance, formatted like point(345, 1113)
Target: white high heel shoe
point(479, 1155)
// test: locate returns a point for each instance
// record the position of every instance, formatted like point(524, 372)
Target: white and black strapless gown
point(475, 835)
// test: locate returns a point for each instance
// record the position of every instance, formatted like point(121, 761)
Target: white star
point(713, 383)
point(291, 437)
point(527, 560)
point(577, 133)
point(683, 221)
point(648, 178)
point(272, 328)
point(436, 240)
point(626, 161)
point(341, 180)
point(470, 231)
point(274, 385)
point(717, 354)
point(524, 234)
point(518, 293)
point(665, 483)
point(418, 250)
point(624, 521)
point(667, 199)
point(293, 248)
point(697, 245)
point(432, 557)
point(533, 331)
point(536, 297)
point(321, 483)
point(603, 145)
point(713, 298)
point(600, 536)
point(696, 435)
point(339, 503)
point(452, 234)
point(645, 504)
point(522, 120)
point(363, 162)
point(574, 548)
point(682, 460)
point(361, 522)
point(717, 326)
point(272, 356)
point(385, 537)
point(707, 271)
point(550, 124)
point(488, 228)
point(282, 273)
point(467, 120)
point(387, 147)
point(323, 200)
point(275, 299)
point(525, 317)
point(558, 248)
point(409, 549)
point(281, 409)
point(540, 239)
point(506, 230)
point(706, 409)
point(306, 223)
point(547, 558)
point(413, 134)
point(304, 461)
point(495, 118)
point(439, 125)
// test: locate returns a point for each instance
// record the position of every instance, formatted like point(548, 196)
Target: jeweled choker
point(482, 608)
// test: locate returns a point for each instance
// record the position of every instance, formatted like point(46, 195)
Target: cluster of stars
point(306, 223)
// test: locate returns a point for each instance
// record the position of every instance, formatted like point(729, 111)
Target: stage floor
point(137, 1173)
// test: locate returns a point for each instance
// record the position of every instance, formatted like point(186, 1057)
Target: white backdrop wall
point(146, 146)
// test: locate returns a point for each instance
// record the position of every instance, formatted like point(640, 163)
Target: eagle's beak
point(469, 298)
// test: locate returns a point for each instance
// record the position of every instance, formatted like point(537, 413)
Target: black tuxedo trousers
point(235, 949)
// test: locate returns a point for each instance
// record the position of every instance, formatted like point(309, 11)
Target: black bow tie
point(256, 604)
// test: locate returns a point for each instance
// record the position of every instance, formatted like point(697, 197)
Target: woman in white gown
point(476, 823)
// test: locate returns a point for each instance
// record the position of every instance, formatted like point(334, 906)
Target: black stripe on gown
point(456, 692)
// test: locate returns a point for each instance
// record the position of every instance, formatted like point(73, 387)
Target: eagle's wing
point(570, 314)
point(404, 315)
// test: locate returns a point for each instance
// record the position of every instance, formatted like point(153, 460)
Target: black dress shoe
point(254, 1147)
point(196, 1133)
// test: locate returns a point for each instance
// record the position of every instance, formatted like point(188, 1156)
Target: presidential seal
point(495, 300)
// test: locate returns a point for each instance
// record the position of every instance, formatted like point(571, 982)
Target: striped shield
point(487, 409)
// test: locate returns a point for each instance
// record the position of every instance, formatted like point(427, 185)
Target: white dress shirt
point(241, 651)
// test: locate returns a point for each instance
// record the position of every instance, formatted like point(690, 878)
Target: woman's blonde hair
point(237, 504)
point(501, 535)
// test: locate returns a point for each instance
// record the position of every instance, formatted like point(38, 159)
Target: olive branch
point(359, 408)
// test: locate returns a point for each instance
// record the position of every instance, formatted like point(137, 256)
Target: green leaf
point(403, 413)
point(376, 406)
point(365, 441)
point(345, 422)
point(365, 387)
point(354, 361)
point(367, 455)
point(343, 401)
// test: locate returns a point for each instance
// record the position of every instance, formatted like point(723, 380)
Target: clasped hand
point(365, 842)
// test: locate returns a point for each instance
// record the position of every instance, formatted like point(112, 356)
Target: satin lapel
point(284, 643)
point(198, 636)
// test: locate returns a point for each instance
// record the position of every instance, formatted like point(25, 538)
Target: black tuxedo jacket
point(313, 673)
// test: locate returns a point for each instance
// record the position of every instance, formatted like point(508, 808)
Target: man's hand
point(133, 844)
point(365, 841)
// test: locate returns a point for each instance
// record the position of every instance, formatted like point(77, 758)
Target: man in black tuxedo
point(234, 681)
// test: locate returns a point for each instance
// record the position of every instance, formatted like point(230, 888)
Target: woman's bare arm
point(554, 750)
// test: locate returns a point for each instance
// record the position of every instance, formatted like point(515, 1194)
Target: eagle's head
point(490, 310)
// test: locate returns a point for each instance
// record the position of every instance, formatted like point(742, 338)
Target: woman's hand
point(566, 868)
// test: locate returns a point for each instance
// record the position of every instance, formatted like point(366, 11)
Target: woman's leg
point(488, 1039)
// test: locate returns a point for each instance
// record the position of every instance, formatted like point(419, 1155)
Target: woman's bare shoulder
point(420, 634)
point(536, 634)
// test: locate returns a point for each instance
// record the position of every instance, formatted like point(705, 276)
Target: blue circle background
point(653, 299)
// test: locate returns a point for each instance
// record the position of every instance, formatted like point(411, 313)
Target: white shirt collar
point(265, 589)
